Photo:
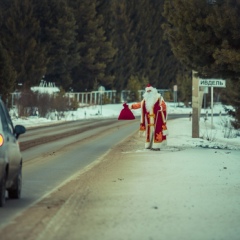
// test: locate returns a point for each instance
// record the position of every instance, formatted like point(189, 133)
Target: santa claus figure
point(153, 118)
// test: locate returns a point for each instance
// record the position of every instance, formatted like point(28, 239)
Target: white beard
point(150, 99)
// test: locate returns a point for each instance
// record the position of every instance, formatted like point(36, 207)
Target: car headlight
point(1, 140)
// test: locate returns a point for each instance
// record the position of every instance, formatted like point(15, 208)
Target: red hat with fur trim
point(148, 88)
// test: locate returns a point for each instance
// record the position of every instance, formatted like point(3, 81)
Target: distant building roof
point(45, 87)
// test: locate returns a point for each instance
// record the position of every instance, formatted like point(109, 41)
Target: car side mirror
point(19, 129)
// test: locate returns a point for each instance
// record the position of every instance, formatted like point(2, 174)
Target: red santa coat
point(154, 123)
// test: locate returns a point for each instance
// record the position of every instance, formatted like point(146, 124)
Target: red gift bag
point(126, 113)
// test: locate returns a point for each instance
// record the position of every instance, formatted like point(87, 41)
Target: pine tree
point(205, 37)
point(230, 96)
point(134, 27)
point(7, 75)
point(123, 40)
point(58, 36)
point(184, 86)
point(95, 50)
point(163, 66)
point(18, 36)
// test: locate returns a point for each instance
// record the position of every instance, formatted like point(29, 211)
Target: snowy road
point(178, 193)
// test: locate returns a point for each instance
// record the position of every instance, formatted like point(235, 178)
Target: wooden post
point(195, 106)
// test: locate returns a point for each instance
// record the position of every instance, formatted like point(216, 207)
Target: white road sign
point(212, 83)
point(101, 89)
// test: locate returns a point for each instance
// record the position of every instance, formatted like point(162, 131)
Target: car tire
point(15, 191)
point(3, 190)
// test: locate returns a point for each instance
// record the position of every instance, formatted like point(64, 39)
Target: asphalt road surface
point(54, 154)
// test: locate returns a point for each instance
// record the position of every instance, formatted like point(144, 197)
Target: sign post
point(101, 89)
point(175, 94)
point(212, 83)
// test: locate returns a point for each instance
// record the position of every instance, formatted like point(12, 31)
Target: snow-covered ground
point(222, 135)
point(192, 185)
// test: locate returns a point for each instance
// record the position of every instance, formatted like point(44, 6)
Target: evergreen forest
point(82, 44)
point(119, 44)
point(204, 36)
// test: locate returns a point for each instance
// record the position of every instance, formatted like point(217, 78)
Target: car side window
point(6, 123)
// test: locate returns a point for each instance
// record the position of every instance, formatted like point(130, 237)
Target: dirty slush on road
point(55, 216)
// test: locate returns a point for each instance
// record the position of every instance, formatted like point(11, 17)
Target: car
point(10, 157)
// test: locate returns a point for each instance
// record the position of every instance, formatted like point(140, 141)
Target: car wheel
point(15, 191)
point(3, 190)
